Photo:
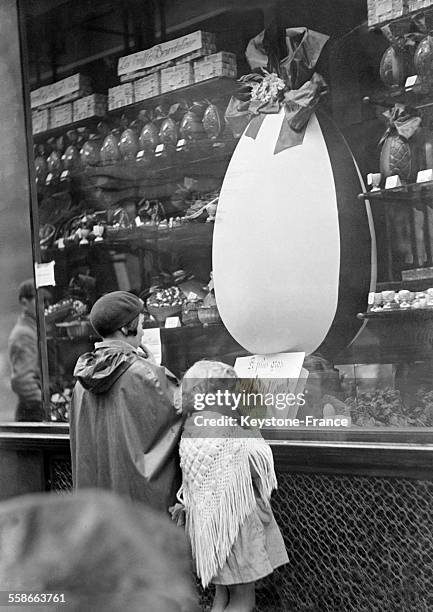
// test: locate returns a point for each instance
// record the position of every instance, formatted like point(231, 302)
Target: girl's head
point(206, 385)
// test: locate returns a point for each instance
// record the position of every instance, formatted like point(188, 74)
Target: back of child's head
point(203, 379)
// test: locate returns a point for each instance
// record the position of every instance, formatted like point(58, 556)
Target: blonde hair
point(206, 377)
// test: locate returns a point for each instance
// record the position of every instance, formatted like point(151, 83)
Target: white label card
point(172, 322)
point(278, 365)
point(424, 176)
point(44, 274)
point(392, 181)
point(151, 341)
point(411, 81)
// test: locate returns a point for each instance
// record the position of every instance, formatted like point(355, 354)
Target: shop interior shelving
point(215, 88)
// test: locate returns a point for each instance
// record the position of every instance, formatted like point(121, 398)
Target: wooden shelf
point(410, 314)
point(204, 159)
point(214, 89)
point(196, 234)
point(409, 192)
point(419, 284)
point(401, 25)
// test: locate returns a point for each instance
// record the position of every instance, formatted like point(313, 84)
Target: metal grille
point(60, 475)
point(355, 543)
point(358, 544)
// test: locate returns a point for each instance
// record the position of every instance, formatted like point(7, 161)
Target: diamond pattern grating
point(356, 544)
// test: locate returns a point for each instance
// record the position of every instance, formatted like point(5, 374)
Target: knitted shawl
point(218, 491)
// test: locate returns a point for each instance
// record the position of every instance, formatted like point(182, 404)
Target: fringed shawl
point(218, 492)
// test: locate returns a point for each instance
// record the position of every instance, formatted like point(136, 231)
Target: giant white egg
point(293, 247)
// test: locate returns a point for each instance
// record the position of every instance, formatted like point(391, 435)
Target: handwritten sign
point(44, 274)
point(151, 341)
point(164, 52)
point(278, 365)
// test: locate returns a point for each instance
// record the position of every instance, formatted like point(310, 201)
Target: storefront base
point(356, 542)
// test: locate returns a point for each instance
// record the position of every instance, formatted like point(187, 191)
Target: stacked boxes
point(66, 90)
point(385, 10)
point(40, 120)
point(61, 115)
point(53, 105)
point(176, 77)
point(121, 95)
point(216, 65)
point(94, 105)
point(416, 5)
point(178, 51)
point(147, 87)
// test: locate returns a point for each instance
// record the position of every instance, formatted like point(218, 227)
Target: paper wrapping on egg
point(294, 254)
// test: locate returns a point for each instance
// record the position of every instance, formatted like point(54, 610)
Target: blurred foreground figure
point(104, 552)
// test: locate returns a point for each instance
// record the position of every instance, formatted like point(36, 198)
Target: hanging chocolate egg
point(110, 153)
point(397, 156)
point(293, 247)
point(213, 122)
point(41, 167)
point(168, 134)
point(149, 137)
point(90, 152)
point(423, 60)
point(71, 157)
point(395, 66)
point(191, 127)
point(128, 144)
point(54, 161)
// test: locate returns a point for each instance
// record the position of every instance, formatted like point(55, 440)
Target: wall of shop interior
point(15, 240)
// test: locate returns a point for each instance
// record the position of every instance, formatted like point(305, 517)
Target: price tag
point(44, 274)
point(172, 322)
point(393, 181)
point(411, 81)
point(424, 176)
point(277, 365)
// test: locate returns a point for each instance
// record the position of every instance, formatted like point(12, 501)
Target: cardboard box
point(166, 52)
point(61, 115)
point(121, 95)
point(40, 121)
point(417, 5)
point(147, 87)
point(176, 77)
point(94, 105)
point(380, 11)
point(71, 88)
point(218, 64)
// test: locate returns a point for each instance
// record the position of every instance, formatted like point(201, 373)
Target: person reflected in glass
point(24, 357)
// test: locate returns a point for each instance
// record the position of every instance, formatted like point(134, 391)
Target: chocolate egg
point(293, 247)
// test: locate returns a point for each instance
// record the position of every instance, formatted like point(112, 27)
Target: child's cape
point(218, 491)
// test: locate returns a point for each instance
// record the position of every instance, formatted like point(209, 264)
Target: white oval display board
point(276, 245)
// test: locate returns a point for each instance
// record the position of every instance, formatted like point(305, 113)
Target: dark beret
point(114, 310)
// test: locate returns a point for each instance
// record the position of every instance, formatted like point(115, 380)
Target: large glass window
point(129, 160)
